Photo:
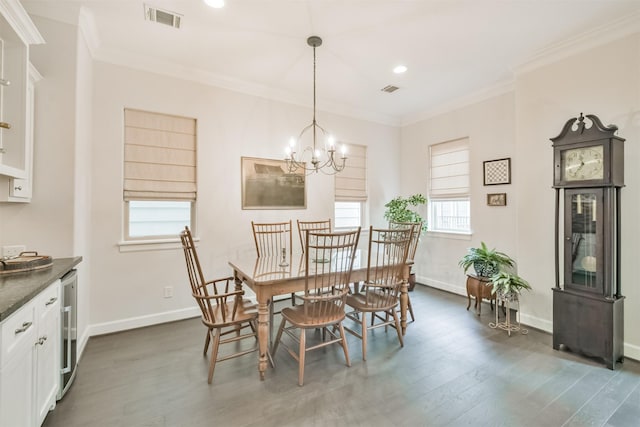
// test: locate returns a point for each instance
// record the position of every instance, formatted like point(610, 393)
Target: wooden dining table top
point(267, 270)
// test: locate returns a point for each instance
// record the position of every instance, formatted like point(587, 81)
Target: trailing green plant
point(505, 283)
point(486, 262)
point(398, 210)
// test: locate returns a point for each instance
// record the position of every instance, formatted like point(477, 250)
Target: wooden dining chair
point(224, 311)
point(411, 256)
point(380, 292)
point(328, 264)
point(317, 226)
point(274, 240)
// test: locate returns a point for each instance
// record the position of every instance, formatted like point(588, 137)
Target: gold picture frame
point(497, 199)
point(266, 184)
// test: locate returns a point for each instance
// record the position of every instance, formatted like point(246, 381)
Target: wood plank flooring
point(453, 371)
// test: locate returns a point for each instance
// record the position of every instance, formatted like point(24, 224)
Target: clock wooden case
point(588, 310)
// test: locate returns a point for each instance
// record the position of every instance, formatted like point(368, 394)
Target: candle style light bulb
point(332, 143)
point(344, 151)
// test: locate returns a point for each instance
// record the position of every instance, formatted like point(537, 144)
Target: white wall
point(127, 287)
point(489, 125)
point(604, 81)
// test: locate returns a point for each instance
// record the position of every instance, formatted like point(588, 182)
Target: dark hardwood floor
point(453, 370)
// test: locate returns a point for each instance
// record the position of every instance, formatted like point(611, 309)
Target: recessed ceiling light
point(400, 69)
point(217, 4)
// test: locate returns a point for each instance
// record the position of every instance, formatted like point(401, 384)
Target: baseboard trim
point(142, 321)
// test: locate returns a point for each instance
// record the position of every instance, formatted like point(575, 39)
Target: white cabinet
point(30, 360)
point(17, 32)
point(20, 189)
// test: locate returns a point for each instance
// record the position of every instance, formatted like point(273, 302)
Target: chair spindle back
point(328, 262)
point(318, 226)
point(272, 238)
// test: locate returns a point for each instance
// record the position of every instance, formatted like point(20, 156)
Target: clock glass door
point(583, 240)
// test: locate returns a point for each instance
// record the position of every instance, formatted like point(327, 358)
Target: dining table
point(269, 276)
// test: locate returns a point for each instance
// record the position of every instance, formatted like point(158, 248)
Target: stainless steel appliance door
point(69, 331)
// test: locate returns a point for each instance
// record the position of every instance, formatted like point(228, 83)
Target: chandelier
point(321, 159)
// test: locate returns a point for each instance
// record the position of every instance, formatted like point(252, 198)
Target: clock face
point(585, 163)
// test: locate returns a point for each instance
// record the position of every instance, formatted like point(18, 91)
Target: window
point(348, 214)
point(158, 218)
point(351, 189)
point(449, 206)
point(159, 188)
point(450, 215)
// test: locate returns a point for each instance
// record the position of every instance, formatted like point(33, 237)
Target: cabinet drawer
point(48, 300)
point(18, 332)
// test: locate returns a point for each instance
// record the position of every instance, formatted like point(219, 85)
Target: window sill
point(151, 245)
point(450, 235)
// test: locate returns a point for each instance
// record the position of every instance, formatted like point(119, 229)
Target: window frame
point(362, 206)
point(156, 237)
point(432, 217)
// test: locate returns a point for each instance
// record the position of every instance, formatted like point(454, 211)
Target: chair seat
point(314, 315)
point(373, 301)
point(244, 313)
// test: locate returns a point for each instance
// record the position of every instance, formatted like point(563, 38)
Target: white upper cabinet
point(17, 32)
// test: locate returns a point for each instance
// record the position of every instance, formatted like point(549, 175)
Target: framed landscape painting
point(266, 184)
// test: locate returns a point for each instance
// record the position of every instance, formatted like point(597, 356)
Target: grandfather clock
point(588, 308)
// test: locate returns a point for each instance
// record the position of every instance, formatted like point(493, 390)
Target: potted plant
point(398, 210)
point(486, 262)
point(508, 285)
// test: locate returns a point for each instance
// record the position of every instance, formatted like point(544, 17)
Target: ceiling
point(453, 49)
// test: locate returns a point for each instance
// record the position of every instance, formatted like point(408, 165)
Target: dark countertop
point(16, 289)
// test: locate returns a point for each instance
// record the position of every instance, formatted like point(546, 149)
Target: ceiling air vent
point(390, 88)
point(160, 16)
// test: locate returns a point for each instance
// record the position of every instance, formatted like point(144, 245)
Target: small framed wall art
point(497, 171)
point(497, 199)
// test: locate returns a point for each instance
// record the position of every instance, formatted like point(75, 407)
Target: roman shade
point(351, 183)
point(159, 156)
point(449, 172)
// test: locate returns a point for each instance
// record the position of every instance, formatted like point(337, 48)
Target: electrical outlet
point(168, 291)
point(11, 251)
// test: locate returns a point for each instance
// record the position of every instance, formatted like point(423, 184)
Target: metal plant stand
point(507, 301)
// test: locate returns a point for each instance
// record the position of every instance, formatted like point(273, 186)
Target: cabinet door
point(16, 389)
point(20, 189)
point(47, 350)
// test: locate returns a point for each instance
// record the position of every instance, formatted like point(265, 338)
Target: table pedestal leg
point(404, 300)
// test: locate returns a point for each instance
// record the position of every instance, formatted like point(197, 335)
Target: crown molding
point(598, 36)
point(174, 70)
point(20, 21)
